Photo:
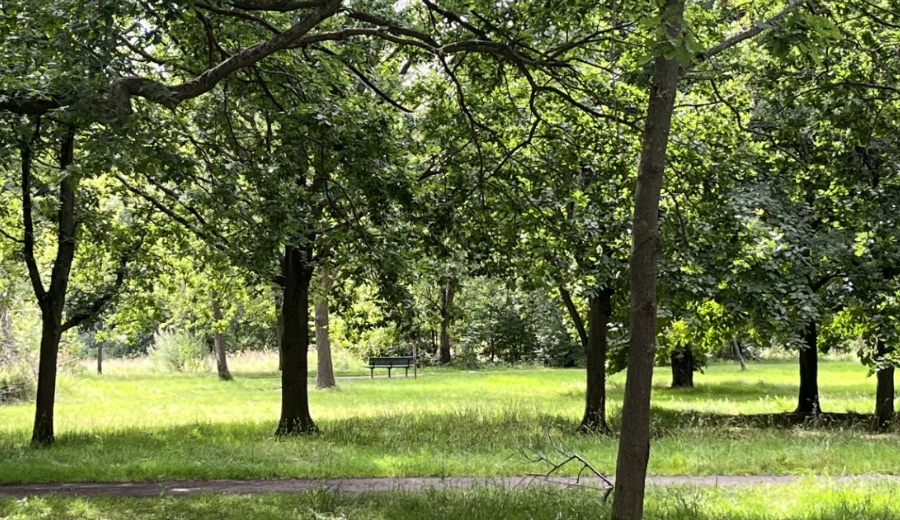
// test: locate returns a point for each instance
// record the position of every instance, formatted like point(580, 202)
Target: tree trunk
point(52, 300)
point(594, 420)
point(448, 291)
point(808, 400)
point(634, 441)
point(100, 358)
point(884, 393)
point(6, 334)
point(737, 353)
point(219, 341)
point(297, 270)
point(51, 332)
point(325, 370)
point(279, 330)
point(683, 367)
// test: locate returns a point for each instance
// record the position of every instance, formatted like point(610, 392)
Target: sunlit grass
point(131, 425)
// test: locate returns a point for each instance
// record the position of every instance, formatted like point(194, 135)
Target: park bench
point(404, 362)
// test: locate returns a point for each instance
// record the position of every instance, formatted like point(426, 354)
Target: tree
point(634, 444)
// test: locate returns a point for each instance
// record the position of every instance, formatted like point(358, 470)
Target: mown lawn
point(132, 425)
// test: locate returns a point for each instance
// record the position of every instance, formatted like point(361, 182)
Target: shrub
point(16, 384)
point(179, 351)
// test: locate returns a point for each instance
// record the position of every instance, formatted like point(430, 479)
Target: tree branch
point(27, 218)
point(752, 32)
point(281, 6)
point(574, 314)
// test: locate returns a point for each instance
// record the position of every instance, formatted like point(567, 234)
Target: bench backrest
point(404, 361)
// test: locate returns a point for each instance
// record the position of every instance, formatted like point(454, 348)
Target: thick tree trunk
point(297, 270)
point(594, 420)
point(325, 370)
point(884, 393)
point(808, 399)
point(683, 367)
point(219, 341)
point(634, 441)
point(448, 291)
point(51, 332)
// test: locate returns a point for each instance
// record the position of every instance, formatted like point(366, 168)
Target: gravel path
point(359, 485)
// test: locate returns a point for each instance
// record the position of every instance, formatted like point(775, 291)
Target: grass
point(133, 425)
point(807, 500)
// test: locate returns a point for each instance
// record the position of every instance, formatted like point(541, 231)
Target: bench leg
point(407, 371)
point(372, 372)
point(389, 372)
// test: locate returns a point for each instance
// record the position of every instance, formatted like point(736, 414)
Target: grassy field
point(802, 501)
point(132, 425)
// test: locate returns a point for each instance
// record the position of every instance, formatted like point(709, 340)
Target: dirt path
point(359, 485)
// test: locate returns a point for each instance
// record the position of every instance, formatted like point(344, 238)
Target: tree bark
point(297, 270)
point(884, 392)
point(683, 367)
point(52, 300)
point(594, 420)
point(575, 316)
point(279, 329)
point(325, 370)
point(808, 399)
point(737, 353)
point(448, 291)
point(634, 441)
point(100, 358)
point(219, 341)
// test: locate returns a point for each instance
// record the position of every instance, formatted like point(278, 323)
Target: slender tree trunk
point(683, 367)
point(884, 393)
point(737, 353)
point(100, 358)
point(297, 269)
point(448, 291)
point(52, 300)
point(634, 441)
point(594, 420)
point(6, 335)
point(325, 371)
point(808, 399)
point(219, 341)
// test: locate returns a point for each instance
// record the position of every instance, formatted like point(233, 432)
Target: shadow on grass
point(731, 390)
point(666, 420)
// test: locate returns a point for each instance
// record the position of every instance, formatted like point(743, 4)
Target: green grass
point(130, 425)
point(809, 500)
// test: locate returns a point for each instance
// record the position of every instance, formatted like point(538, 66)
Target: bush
point(16, 384)
point(179, 351)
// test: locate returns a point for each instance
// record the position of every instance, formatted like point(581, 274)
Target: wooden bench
point(390, 363)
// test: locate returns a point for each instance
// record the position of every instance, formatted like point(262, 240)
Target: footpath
point(381, 484)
